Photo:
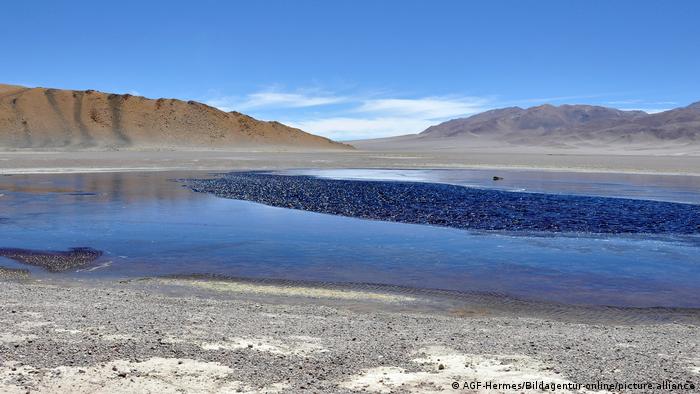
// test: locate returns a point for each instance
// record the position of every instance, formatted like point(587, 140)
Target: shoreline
point(382, 296)
point(122, 336)
point(438, 300)
point(55, 171)
point(57, 162)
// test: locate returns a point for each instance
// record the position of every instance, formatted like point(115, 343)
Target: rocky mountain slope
point(39, 118)
point(564, 127)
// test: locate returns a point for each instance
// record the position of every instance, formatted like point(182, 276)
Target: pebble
point(455, 206)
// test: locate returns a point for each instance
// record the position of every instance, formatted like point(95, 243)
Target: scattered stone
point(13, 273)
point(303, 342)
point(455, 206)
point(53, 261)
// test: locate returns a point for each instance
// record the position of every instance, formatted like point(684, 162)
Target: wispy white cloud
point(347, 128)
point(288, 100)
point(425, 108)
point(352, 116)
point(274, 100)
point(384, 117)
point(383, 114)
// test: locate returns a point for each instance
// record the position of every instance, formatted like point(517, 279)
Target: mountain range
point(40, 118)
point(558, 127)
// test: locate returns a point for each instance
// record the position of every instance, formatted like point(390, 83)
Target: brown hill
point(579, 127)
point(71, 119)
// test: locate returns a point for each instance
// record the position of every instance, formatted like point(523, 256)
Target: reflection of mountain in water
point(79, 188)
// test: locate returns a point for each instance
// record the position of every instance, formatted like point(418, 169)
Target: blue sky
point(360, 69)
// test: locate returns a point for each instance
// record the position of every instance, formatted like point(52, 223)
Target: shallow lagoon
point(654, 187)
point(149, 225)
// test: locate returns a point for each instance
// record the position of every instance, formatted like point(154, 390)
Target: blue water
point(149, 225)
point(653, 187)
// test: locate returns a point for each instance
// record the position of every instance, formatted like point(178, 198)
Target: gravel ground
point(187, 335)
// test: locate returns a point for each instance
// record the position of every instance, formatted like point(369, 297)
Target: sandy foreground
point(200, 336)
point(15, 162)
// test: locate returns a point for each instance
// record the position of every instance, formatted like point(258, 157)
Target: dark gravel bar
point(455, 206)
point(13, 273)
point(53, 260)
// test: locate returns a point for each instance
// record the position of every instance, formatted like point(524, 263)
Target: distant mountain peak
point(571, 125)
point(543, 106)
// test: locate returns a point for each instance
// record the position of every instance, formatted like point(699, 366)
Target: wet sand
point(185, 334)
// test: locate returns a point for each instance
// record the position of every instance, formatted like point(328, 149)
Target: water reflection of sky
point(148, 225)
